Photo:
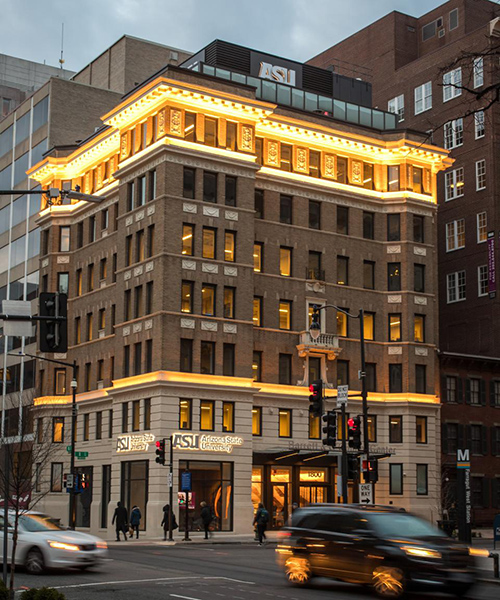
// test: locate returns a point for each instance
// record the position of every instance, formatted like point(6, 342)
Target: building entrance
point(312, 494)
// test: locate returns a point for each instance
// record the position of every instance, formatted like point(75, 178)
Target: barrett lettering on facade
point(277, 73)
point(134, 443)
point(205, 442)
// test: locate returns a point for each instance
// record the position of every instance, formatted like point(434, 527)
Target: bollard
point(495, 556)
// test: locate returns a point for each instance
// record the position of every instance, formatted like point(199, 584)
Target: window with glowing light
point(257, 420)
point(187, 239)
point(285, 314)
point(185, 413)
point(207, 416)
point(285, 422)
point(209, 243)
point(257, 311)
point(257, 256)
point(229, 246)
point(187, 297)
point(395, 327)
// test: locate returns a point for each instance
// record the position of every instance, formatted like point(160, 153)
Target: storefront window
point(212, 482)
point(84, 499)
point(313, 487)
point(256, 486)
point(134, 486)
point(280, 484)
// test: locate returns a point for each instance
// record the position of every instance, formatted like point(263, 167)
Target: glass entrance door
point(280, 505)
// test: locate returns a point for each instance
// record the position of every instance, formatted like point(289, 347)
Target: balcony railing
point(327, 343)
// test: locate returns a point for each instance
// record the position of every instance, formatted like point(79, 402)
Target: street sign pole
point(171, 490)
point(344, 455)
point(186, 486)
point(464, 496)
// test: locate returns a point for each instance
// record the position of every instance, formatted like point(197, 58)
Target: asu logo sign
point(205, 442)
point(277, 73)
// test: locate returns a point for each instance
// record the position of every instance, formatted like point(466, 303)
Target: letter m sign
point(463, 458)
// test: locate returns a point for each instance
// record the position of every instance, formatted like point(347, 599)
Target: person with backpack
point(206, 518)
point(135, 521)
point(165, 522)
point(261, 519)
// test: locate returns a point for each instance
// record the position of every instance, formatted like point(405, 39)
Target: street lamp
point(315, 331)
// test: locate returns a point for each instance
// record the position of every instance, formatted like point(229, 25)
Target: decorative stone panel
point(209, 268)
point(208, 326)
point(190, 265)
point(102, 333)
point(231, 271)
point(301, 160)
point(210, 211)
point(419, 251)
point(394, 299)
point(45, 263)
point(187, 323)
point(148, 324)
point(129, 221)
point(393, 249)
point(246, 139)
point(63, 260)
point(395, 350)
point(356, 172)
point(421, 351)
point(230, 328)
point(176, 127)
point(420, 300)
point(139, 216)
point(150, 210)
point(231, 215)
point(137, 327)
point(189, 208)
point(329, 166)
point(271, 153)
point(126, 331)
point(150, 266)
point(317, 287)
point(138, 271)
point(127, 275)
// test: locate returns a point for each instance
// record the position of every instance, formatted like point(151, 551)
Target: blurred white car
point(43, 544)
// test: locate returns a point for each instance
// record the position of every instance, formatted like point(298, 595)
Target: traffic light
point(53, 333)
point(316, 398)
point(160, 452)
point(354, 432)
point(330, 428)
point(371, 475)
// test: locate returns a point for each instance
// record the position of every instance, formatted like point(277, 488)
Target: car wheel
point(298, 570)
point(389, 582)
point(34, 562)
point(460, 591)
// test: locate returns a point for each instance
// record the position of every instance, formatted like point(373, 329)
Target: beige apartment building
point(239, 190)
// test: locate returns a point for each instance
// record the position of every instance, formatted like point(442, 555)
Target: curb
point(494, 581)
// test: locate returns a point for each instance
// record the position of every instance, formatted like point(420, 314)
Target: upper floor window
point(418, 229)
point(423, 97)
point(393, 227)
point(285, 314)
point(342, 270)
point(257, 257)
point(229, 246)
point(452, 84)
point(394, 277)
point(314, 214)
point(478, 71)
point(482, 227)
point(480, 174)
point(455, 235)
point(209, 187)
point(393, 178)
point(286, 157)
point(453, 133)
point(343, 220)
point(395, 327)
point(368, 275)
point(455, 286)
point(419, 278)
point(285, 261)
point(479, 129)
point(368, 225)
point(210, 132)
point(209, 243)
point(286, 209)
point(369, 325)
point(453, 19)
point(231, 183)
point(187, 239)
point(482, 280)
point(189, 126)
point(314, 163)
point(231, 135)
point(188, 186)
point(397, 106)
point(64, 238)
point(259, 204)
point(454, 183)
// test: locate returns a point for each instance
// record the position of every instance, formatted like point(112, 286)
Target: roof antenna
point(61, 60)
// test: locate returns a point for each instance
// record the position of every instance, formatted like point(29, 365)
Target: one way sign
point(365, 493)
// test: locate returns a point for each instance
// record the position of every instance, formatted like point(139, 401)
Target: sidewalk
point(196, 537)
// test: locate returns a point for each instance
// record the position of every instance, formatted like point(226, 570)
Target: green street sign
point(81, 455)
point(68, 449)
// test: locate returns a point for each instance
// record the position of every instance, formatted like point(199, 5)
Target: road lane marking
point(78, 585)
point(231, 579)
point(185, 597)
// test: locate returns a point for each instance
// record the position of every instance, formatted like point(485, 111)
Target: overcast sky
point(297, 29)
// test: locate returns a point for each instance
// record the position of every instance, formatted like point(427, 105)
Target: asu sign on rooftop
point(205, 442)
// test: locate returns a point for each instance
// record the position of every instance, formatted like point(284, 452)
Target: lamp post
point(315, 331)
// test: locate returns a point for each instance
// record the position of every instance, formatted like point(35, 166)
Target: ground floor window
point(134, 487)
point(212, 482)
point(84, 497)
point(105, 494)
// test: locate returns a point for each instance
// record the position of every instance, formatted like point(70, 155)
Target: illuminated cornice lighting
point(333, 185)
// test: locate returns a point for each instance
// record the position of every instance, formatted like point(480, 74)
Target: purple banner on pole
point(492, 283)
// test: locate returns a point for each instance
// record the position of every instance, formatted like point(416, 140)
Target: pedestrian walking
point(261, 519)
point(206, 517)
point(164, 523)
point(121, 519)
point(135, 521)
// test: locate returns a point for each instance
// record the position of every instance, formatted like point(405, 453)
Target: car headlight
point(420, 552)
point(64, 546)
point(479, 552)
point(102, 545)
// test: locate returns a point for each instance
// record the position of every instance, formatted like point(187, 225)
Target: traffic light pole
point(345, 468)
point(171, 490)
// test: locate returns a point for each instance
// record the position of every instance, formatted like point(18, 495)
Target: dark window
point(368, 225)
point(210, 132)
point(130, 195)
point(342, 372)
point(115, 259)
point(343, 220)
point(229, 299)
point(230, 191)
point(186, 365)
point(90, 277)
point(420, 379)
point(228, 360)
point(152, 185)
point(207, 358)
point(419, 278)
point(341, 169)
point(209, 187)
point(189, 126)
point(476, 444)
point(259, 204)
point(138, 307)
point(314, 163)
point(124, 417)
point(368, 275)
point(141, 191)
point(286, 209)
point(314, 266)
point(394, 277)
point(151, 241)
point(396, 479)
point(371, 377)
point(314, 214)
point(285, 369)
point(105, 494)
point(314, 368)
point(393, 227)
point(149, 356)
point(138, 358)
point(128, 250)
point(110, 423)
point(128, 305)
point(395, 378)
point(189, 182)
point(79, 235)
point(342, 270)
point(98, 425)
point(231, 135)
point(418, 229)
point(257, 366)
point(126, 361)
point(450, 438)
point(286, 157)
point(139, 248)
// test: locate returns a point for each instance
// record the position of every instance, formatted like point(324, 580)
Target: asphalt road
point(200, 572)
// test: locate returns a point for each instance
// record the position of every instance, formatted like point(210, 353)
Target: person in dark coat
point(121, 519)
point(206, 518)
point(135, 521)
point(164, 522)
point(261, 519)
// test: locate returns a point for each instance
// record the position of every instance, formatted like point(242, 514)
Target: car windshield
point(396, 525)
point(38, 523)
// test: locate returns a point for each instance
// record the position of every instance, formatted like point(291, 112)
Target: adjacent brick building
point(233, 200)
point(417, 68)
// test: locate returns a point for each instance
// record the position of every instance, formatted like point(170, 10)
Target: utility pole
point(74, 413)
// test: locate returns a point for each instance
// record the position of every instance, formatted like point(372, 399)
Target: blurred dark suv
point(387, 548)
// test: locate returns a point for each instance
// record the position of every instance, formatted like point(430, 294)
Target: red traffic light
point(158, 444)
